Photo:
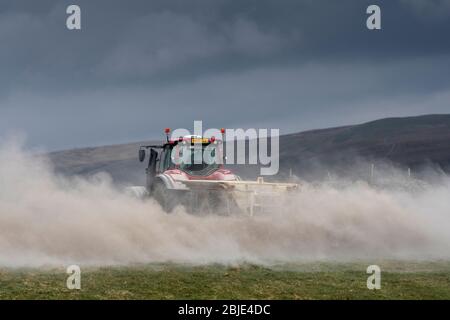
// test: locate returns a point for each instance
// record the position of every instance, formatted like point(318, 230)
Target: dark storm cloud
point(288, 64)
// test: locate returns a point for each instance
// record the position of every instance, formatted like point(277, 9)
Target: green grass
point(400, 280)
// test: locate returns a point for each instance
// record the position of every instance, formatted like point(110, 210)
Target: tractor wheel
point(163, 196)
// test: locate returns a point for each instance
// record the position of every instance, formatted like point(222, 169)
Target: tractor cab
point(186, 158)
point(194, 155)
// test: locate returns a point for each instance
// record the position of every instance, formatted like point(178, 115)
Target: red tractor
point(188, 171)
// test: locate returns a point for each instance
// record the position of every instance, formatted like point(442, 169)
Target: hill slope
point(410, 142)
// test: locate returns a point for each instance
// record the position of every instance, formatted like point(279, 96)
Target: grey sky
point(141, 65)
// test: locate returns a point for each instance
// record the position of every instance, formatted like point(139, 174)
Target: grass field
point(399, 280)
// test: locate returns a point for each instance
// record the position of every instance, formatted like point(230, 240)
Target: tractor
point(189, 171)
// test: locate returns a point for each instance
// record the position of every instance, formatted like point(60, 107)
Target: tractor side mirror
point(141, 155)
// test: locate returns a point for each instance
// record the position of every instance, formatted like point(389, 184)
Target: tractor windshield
point(199, 159)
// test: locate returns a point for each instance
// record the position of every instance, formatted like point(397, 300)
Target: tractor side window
point(161, 161)
point(165, 161)
point(152, 160)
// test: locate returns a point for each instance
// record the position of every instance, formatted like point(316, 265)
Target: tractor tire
point(163, 196)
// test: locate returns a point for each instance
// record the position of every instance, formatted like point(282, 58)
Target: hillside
point(412, 142)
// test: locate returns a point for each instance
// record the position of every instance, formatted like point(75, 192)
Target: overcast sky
point(138, 66)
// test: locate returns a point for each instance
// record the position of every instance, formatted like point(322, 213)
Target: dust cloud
point(47, 219)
